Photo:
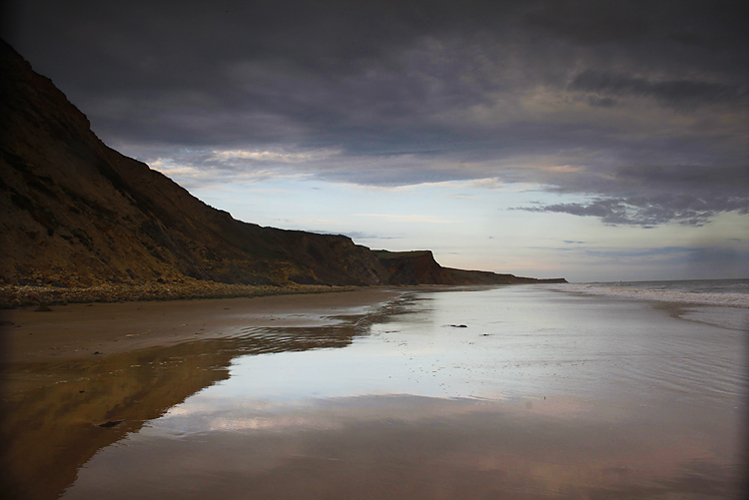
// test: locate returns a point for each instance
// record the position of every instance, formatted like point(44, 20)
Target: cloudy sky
point(595, 140)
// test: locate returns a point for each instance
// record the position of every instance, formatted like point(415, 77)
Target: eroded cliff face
point(77, 213)
point(419, 267)
point(413, 268)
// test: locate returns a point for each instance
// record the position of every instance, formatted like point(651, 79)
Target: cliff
point(413, 268)
point(419, 267)
point(78, 213)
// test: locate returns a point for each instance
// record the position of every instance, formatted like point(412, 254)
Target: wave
point(724, 299)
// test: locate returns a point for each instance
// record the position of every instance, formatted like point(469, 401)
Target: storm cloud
point(649, 212)
point(639, 106)
point(678, 93)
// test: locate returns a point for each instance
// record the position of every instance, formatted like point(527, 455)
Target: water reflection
point(56, 416)
point(406, 447)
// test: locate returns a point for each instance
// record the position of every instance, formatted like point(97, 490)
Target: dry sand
point(77, 331)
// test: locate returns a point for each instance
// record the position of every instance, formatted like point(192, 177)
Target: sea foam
point(724, 299)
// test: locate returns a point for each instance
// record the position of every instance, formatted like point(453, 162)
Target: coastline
point(722, 309)
point(81, 330)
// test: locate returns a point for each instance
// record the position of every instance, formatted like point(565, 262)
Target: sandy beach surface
point(76, 331)
point(68, 372)
point(510, 392)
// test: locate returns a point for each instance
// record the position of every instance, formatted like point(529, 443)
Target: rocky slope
point(77, 213)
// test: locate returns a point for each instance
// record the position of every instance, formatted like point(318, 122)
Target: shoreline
point(98, 323)
point(35, 295)
point(679, 298)
point(79, 331)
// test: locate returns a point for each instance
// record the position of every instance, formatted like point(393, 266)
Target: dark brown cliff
point(413, 268)
point(419, 267)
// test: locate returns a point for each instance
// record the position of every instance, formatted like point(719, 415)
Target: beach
point(511, 392)
point(51, 358)
point(74, 331)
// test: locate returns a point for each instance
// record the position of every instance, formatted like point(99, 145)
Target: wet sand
point(76, 331)
point(373, 394)
point(407, 447)
point(81, 377)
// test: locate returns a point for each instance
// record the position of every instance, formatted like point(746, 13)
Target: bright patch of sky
point(476, 225)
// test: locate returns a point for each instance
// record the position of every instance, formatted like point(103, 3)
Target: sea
point(722, 302)
point(723, 292)
point(596, 390)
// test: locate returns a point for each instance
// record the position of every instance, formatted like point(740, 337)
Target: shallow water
point(725, 293)
point(540, 394)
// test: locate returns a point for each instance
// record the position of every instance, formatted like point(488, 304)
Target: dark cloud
point(604, 102)
point(686, 177)
point(676, 93)
point(693, 23)
point(645, 101)
point(650, 212)
point(648, 196)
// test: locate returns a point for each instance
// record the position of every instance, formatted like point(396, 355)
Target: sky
point(595, 140)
